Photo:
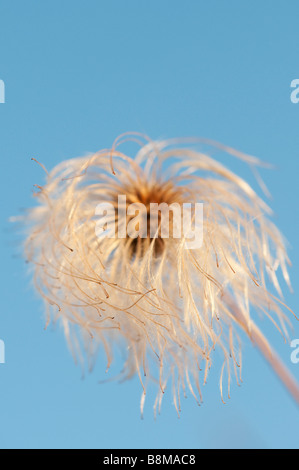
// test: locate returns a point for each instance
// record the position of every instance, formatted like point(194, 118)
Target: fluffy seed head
point(167, 306)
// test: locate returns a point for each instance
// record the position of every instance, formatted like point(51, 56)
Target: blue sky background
point(77, 74)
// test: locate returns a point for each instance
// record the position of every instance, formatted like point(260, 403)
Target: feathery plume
point(170, 306)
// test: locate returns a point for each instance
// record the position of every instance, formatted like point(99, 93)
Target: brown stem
point(261, 342)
